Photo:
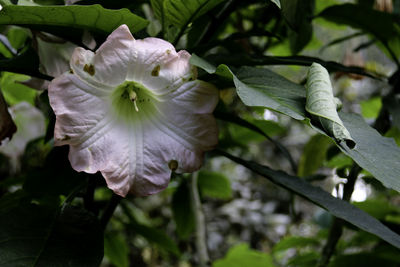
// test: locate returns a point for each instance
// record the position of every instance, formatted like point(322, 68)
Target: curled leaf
point(322, 105)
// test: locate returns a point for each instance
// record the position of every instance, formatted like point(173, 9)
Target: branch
point(108, 212)
point(336, 229)
point(201, 239)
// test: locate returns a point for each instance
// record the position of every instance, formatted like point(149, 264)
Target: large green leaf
point(335, 206)
point(241, 255)
point(263, 88)
point(180, 13)
point(36, 235)
point(377, 154)
point(322, 105)
point(94, 17)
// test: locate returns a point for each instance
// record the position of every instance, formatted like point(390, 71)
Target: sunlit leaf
point(241, 255)
point(370, 108)
point(213, 184)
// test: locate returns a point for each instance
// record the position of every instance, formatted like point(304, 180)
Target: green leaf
point(15, 92)
point(35, 235)
point(377, 154)
point(370, 108)
point(182, 211)
point(213, 184)
point(261, 87)
point(116, 249)
point(298, 14)
point(335, 206)
point(241, 255)
point(158, 6)
point(363, 260)
point(157, 237)
point(180, 13)
point(94, 18)
point(322, 105)
point(379, 208)
point(359, 17)
point(313, 154)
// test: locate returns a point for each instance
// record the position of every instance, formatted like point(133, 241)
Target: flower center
point(131, 98)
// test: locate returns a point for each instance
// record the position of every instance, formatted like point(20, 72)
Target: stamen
point(133, 98)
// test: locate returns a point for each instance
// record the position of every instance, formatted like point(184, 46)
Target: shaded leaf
point(213, 184)
point(335, 206)
point(94, 18)
point(298, 14)
point(180, 13)
point(377, 154)
point(264, 88)
point(359, 17)
point(241, 255)
point(322, 105)
point(182, 211)
point(116, 249)
point(313, 154)
point(362, 260)
point(157, 237)
point(392, 103)
point(34, 235)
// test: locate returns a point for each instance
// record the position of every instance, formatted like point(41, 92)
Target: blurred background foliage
point(225, 214)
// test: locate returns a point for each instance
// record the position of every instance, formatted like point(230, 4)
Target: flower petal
point(79, 109)
point(158, 66)
point(108, 66)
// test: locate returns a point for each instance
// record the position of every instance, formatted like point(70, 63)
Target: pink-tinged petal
point(108, 66)
point(79, 108)
point(54, 57)
point(159, 67)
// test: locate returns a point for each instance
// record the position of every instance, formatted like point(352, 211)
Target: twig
point(108, 212)
point(336, 229)
point(201, 243)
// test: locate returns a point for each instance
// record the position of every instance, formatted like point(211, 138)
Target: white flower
point(134, 111)
point(30, 123)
